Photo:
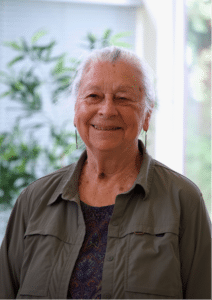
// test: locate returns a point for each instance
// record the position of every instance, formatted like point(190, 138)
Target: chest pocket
point(153, 265)
point(40, 255)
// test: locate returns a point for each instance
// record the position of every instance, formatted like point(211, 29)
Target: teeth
point(101, 128)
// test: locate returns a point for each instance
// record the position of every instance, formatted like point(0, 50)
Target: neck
point(105, 165)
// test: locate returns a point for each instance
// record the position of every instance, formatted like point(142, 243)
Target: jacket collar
point(145, 175)
point(68, 186)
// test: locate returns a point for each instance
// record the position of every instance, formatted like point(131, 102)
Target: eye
point(125, 100)
point(122, 98)
point(93, 96)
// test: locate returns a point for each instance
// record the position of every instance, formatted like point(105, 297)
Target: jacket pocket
point(40, 254)
point(153, 266)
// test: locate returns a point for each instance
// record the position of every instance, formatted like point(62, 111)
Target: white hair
point(112, 54)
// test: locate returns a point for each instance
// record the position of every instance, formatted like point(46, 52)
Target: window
point(198, 102)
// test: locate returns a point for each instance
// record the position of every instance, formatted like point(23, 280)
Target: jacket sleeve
point(195, 253)
point(12, 248)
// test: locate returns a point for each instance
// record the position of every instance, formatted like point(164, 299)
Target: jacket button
point(106, 296)
point(110, 258)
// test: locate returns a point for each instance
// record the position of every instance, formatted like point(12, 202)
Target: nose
point(108, 108)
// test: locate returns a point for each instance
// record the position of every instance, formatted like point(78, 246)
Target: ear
point(147, 120)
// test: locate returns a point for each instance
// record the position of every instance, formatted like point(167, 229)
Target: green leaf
point(105, 39)
point(18, 85)
point(5, 94)
point(36, 151)
point(59, 67)
point(64, 79)
point(24, 44)
point(21, 168)
point(13, 45)
point(50, 45)
point(16, 59)
point(91, 37)
point(38, 35)
point(121, 35)
point(122, 44)
point(107, 33)
point(49, 51)
point(11, 154)
point(115, 39)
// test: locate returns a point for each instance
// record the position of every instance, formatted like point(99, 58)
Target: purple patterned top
point(86, 278)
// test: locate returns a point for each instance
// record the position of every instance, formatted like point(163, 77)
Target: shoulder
point(51, 179)
point(44, 187)
point(175, 198)
point(169, 175)
point(176, 185)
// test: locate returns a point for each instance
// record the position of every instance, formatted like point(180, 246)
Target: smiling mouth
point(107, 128)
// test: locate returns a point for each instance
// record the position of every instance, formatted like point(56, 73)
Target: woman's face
point(109, 111)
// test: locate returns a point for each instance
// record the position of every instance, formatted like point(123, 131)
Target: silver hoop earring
point(145, 144)
point(76, 138)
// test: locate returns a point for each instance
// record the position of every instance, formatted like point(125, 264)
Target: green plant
point(17, 164)
point(91, 41)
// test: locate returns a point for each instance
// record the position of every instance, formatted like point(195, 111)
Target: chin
point(105, 146)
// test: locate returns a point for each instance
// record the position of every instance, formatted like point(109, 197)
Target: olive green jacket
point(158, 246)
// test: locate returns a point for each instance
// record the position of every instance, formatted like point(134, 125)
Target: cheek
point(135, 117)
point(80, 112)
point(138, 122)
point(82, 117)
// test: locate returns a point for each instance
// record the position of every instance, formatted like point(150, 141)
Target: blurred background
point(41, 44)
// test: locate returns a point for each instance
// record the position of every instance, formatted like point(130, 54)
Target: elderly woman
point(116, 224)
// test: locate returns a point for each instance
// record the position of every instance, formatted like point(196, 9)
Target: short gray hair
point(112, 54)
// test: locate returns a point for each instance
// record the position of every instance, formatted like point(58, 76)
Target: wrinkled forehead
point(128, 71)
